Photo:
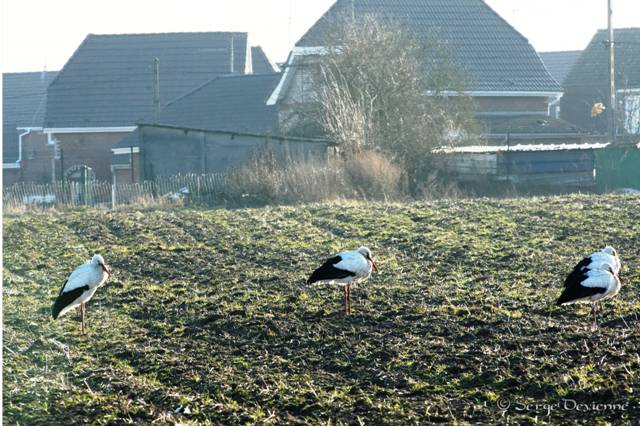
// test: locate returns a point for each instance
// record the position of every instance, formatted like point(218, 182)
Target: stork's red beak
point(104, 268)
point(373, 263)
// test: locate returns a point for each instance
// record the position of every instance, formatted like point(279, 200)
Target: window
point(632, 113)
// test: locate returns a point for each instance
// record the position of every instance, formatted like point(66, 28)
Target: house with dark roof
point(505, 75)
point(587, 84)
point(229, 104)
point(559, 64)
point(114, 81)
point(26, 153)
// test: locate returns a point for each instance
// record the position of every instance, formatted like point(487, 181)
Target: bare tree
point(378, 87)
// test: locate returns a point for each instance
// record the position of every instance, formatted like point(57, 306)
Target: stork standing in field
point(346, 268)
point(594, 278)
point(80, 287)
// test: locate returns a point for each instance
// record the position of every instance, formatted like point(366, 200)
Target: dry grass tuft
point(368, 175)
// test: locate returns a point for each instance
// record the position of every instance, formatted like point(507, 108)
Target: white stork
point(594, 278)
point(346, 268)
point(79, 288)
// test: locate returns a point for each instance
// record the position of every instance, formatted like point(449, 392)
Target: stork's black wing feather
point(329, 272)
point(65, 299)
point(573, 288)
point(576, 292)
point(578, 274)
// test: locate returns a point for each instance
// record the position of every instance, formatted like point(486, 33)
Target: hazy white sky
point(39, 33)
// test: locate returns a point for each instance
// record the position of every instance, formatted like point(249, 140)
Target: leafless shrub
point(368, 175)
point(378, 87)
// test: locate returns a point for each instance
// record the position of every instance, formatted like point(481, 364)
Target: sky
point(42, 34)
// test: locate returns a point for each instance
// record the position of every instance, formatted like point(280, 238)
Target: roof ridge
point(192, 91)
point(561, 51)
point(506, 22)
point(331, 8)
point(27, 72)
point(620, 29)
point(167, 33)
point(64, 67)
point(269, 74)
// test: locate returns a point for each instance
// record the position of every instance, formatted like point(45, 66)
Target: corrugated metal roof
point(560, 63)
point(494, 56)
point(521, 148)
point(109, 79)
point(24, 97)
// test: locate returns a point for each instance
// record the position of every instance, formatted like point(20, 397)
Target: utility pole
point(156, 88)
point(612, 74)
point(231, 70)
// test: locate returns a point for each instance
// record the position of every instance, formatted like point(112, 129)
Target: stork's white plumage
point(345, 268)
point(603, 258)
point(594, 278)
point(80, 287)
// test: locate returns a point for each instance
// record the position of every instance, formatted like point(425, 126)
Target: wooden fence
point(203, 189)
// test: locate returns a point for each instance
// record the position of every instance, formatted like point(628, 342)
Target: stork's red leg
point(82, 310)
point(346, 300)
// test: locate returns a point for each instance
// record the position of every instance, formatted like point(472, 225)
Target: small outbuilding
point(168, 150)
point(548, 166)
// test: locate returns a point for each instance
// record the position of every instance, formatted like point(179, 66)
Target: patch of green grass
point(207, 318)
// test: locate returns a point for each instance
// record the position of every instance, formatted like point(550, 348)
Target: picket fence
point(192, 188)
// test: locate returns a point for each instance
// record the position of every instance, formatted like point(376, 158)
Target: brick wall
point(90, 149)
point(37, 161)
point(37, 158)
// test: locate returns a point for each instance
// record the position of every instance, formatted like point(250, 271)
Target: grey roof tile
point(560, 63)
point(492, 54)
point(228, 103)
point(109, 79)
point(24, 96)
point(260, 62)
point(592, 67)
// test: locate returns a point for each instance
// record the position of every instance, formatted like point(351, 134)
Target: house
point(114, 81)
point(587, 84)
point(26, 154)
point(506, 76)
point(225, 103)
point(559, 64)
